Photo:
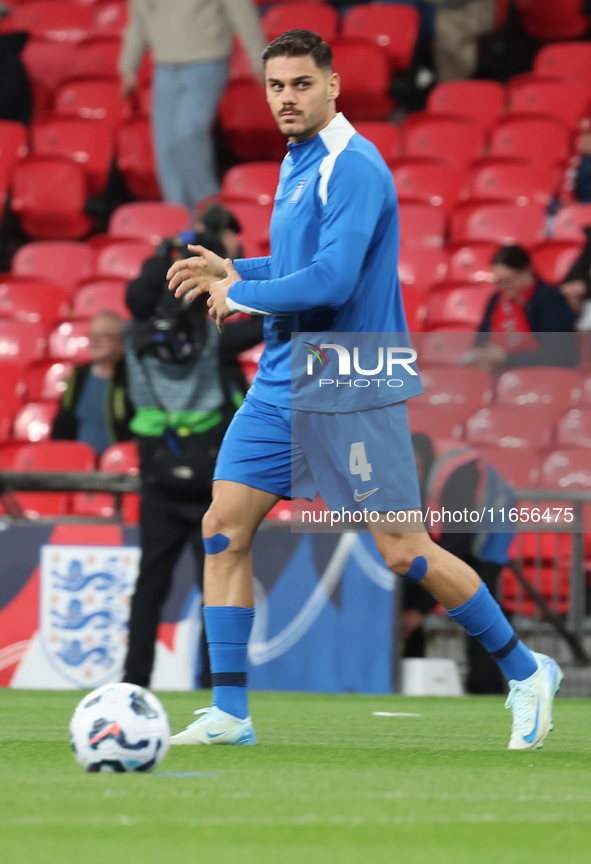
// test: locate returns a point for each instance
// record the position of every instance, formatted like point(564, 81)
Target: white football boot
point(216, 727)
point(531, 703)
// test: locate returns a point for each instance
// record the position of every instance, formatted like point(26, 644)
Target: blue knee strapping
point(216, 544)
point(418, 569)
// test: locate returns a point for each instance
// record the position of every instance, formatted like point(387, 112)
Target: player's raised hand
point(195, 276)
point(218, 293)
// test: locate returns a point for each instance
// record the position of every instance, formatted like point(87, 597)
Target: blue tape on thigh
point(216, 544)
point(418, 569)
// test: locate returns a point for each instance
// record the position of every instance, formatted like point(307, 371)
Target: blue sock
point(482, 617)
point(227, 629)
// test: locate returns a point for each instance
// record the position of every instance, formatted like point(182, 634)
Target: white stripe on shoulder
point(335, 138)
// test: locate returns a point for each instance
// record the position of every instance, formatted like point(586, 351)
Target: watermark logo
point(388, 360)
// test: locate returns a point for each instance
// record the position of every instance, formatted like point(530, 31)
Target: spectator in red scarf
point(526, 322)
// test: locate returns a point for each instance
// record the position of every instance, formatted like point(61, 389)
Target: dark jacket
point(581, 269)
point(144, 292)
point(120, 409)
point(553, 322)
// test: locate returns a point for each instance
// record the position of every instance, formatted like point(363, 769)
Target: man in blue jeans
point(191, 41)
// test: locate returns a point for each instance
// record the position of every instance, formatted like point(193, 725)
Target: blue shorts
point(357, 460)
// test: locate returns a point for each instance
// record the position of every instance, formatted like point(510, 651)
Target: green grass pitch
point(329, 781)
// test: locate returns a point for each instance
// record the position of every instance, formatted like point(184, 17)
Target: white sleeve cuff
point(238, 307)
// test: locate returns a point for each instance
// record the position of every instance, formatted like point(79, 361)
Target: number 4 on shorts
point(358, 463)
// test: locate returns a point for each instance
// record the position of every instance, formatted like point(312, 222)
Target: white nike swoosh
point(359, 496)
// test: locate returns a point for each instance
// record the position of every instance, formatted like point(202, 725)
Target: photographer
point(185, 382)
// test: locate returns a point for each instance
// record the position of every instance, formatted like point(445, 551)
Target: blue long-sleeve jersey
point(334, 252)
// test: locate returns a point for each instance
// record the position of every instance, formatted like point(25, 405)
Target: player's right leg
point(228, 527)
point(253, 472)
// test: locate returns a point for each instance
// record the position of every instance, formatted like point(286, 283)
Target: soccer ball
point(119, 727)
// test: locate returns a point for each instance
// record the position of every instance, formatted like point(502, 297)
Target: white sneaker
point(531, 703)
point(216, 727)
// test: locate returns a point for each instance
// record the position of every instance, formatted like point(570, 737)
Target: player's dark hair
point(515, 257)
point(300, 43)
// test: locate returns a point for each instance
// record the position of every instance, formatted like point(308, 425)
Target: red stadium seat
point(463, 390)
point(323, 20)
point(92, 99)
point(101, 294)
point(12, 387)
point(385, 136)
point(509, 426)
point(449, 139)
point(135, 159)
point(547, 19)
point(481, 101)
point(392, 26)
point(66, 264)
point(55, 21)
point(249, 361)
point(512, 181)
point(49, 64)
point(365, 80)
point(567, 469)
point(540, 141)
point(421, 225)
point(47, 456)
point(88, 143)
point(48, 195)
point(434, 422)
point(570, 223)
point(565, 101)
point(118, 459)
point(420, 268)
point(574, 429)
point(13, 146)
point(553, 259)
point(586, 391)
point(34, 421)
point(123, 259)
point(254, 221)
point(247, 124)
point(457, 304)
point(21, 343)
point(109, 18)
point(565, 60)
point(520, 468)
point(429, 182)
point(254, 182)
point(553, 388)
point(122, 458)
point(143, 97)
point(69, 341)
point(32, 300)
point(415, 308)
point(148, 220)
point(47, 380)
point(471, 262)
point(545, 561)
point(97, 57)
point(445, 348)
point(499, 223)
point(240, 67)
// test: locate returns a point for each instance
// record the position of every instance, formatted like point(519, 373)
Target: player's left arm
point(351, 204)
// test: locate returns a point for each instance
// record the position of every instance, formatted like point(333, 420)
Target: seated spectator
point(95, 407)
point(523, 306)
point(576, 288)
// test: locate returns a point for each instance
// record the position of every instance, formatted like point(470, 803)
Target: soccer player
point(333, 267)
